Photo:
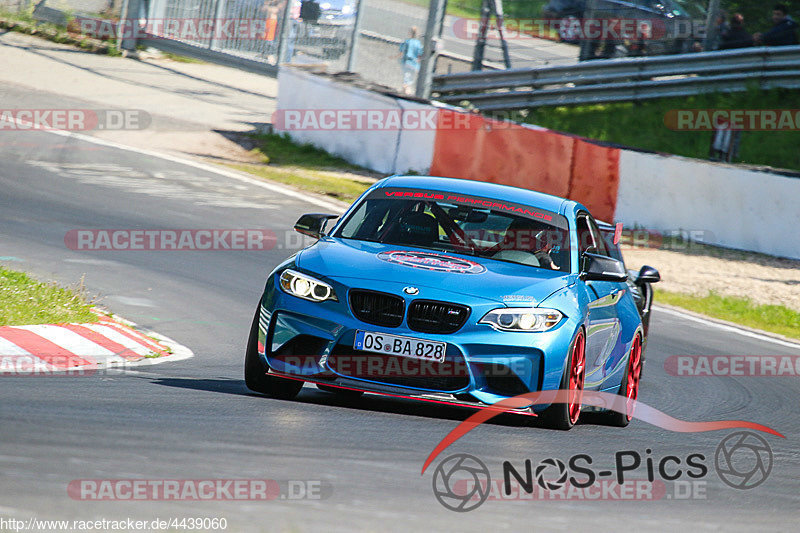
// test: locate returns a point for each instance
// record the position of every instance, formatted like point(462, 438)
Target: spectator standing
point(410, 52)
point(721, 28)
point(784, 31)
point(736, 36)
point(274, 8)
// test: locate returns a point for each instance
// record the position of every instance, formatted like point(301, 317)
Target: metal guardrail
point(624, 79)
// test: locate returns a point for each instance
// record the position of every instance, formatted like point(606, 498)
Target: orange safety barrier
point(477, 148)
point(471, 146)
point(595, 178)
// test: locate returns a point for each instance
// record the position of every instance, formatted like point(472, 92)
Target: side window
point(586, 240)
point(602, 249)
point(613, 249)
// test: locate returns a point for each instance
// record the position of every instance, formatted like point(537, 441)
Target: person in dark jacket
point(736, 36)
point(783, 33)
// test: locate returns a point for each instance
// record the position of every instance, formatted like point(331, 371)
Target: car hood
point(515, 285)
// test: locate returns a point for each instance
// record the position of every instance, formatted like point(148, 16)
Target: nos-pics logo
point(462, 482)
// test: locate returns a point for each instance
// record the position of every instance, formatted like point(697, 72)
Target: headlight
point(522, 318)
point(306, 287)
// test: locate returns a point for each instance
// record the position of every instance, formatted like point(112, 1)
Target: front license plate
point(398, 345)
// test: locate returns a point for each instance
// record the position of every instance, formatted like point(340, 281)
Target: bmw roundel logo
point(411, 290)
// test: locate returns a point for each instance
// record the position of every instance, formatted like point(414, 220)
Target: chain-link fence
point(385, 24)
point(271, 31)
point(236, 32)
point(261, 34)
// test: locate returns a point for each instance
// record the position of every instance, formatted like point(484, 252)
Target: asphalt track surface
point(195, 419)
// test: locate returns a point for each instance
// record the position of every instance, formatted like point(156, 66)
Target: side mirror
point(601, 268)
point(648, 274)
point(313, 224)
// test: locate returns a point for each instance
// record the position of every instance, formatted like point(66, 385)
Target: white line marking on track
point(138, 302)
point(726, 327)
point(99, 262)
point(304, 196)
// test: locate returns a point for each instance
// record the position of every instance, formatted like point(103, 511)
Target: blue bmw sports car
point(441, 287)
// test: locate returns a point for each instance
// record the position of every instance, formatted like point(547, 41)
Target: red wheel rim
point(576, 377)
point(634, 375)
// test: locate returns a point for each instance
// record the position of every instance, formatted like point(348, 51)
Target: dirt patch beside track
point(700, 269)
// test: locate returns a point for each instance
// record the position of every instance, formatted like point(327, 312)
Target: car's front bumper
point(315, 341)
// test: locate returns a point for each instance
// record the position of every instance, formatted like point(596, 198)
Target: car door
point(603, 330)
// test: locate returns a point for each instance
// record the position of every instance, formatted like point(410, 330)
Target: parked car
point(670, 19)
point(337, 12)
point(639, 282)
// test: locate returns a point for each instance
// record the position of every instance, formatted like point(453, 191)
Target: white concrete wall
point(723, 204)
point(387, 151)
point(743, 209)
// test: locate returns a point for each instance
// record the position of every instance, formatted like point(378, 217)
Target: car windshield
point(448, 222)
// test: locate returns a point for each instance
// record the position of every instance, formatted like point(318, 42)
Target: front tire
point(255, 371)
point(564, 415)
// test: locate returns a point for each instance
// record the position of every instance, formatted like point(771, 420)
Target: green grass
point(279, 149)
point(304, 166)
point(181, 59)
point(341, 188)
point(641, 125)
point(23, 22)
point(773, 318)
point(25, 301)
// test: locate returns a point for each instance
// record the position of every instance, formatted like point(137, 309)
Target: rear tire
point(255, 371)
point(629, 388)
point(565, 415)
